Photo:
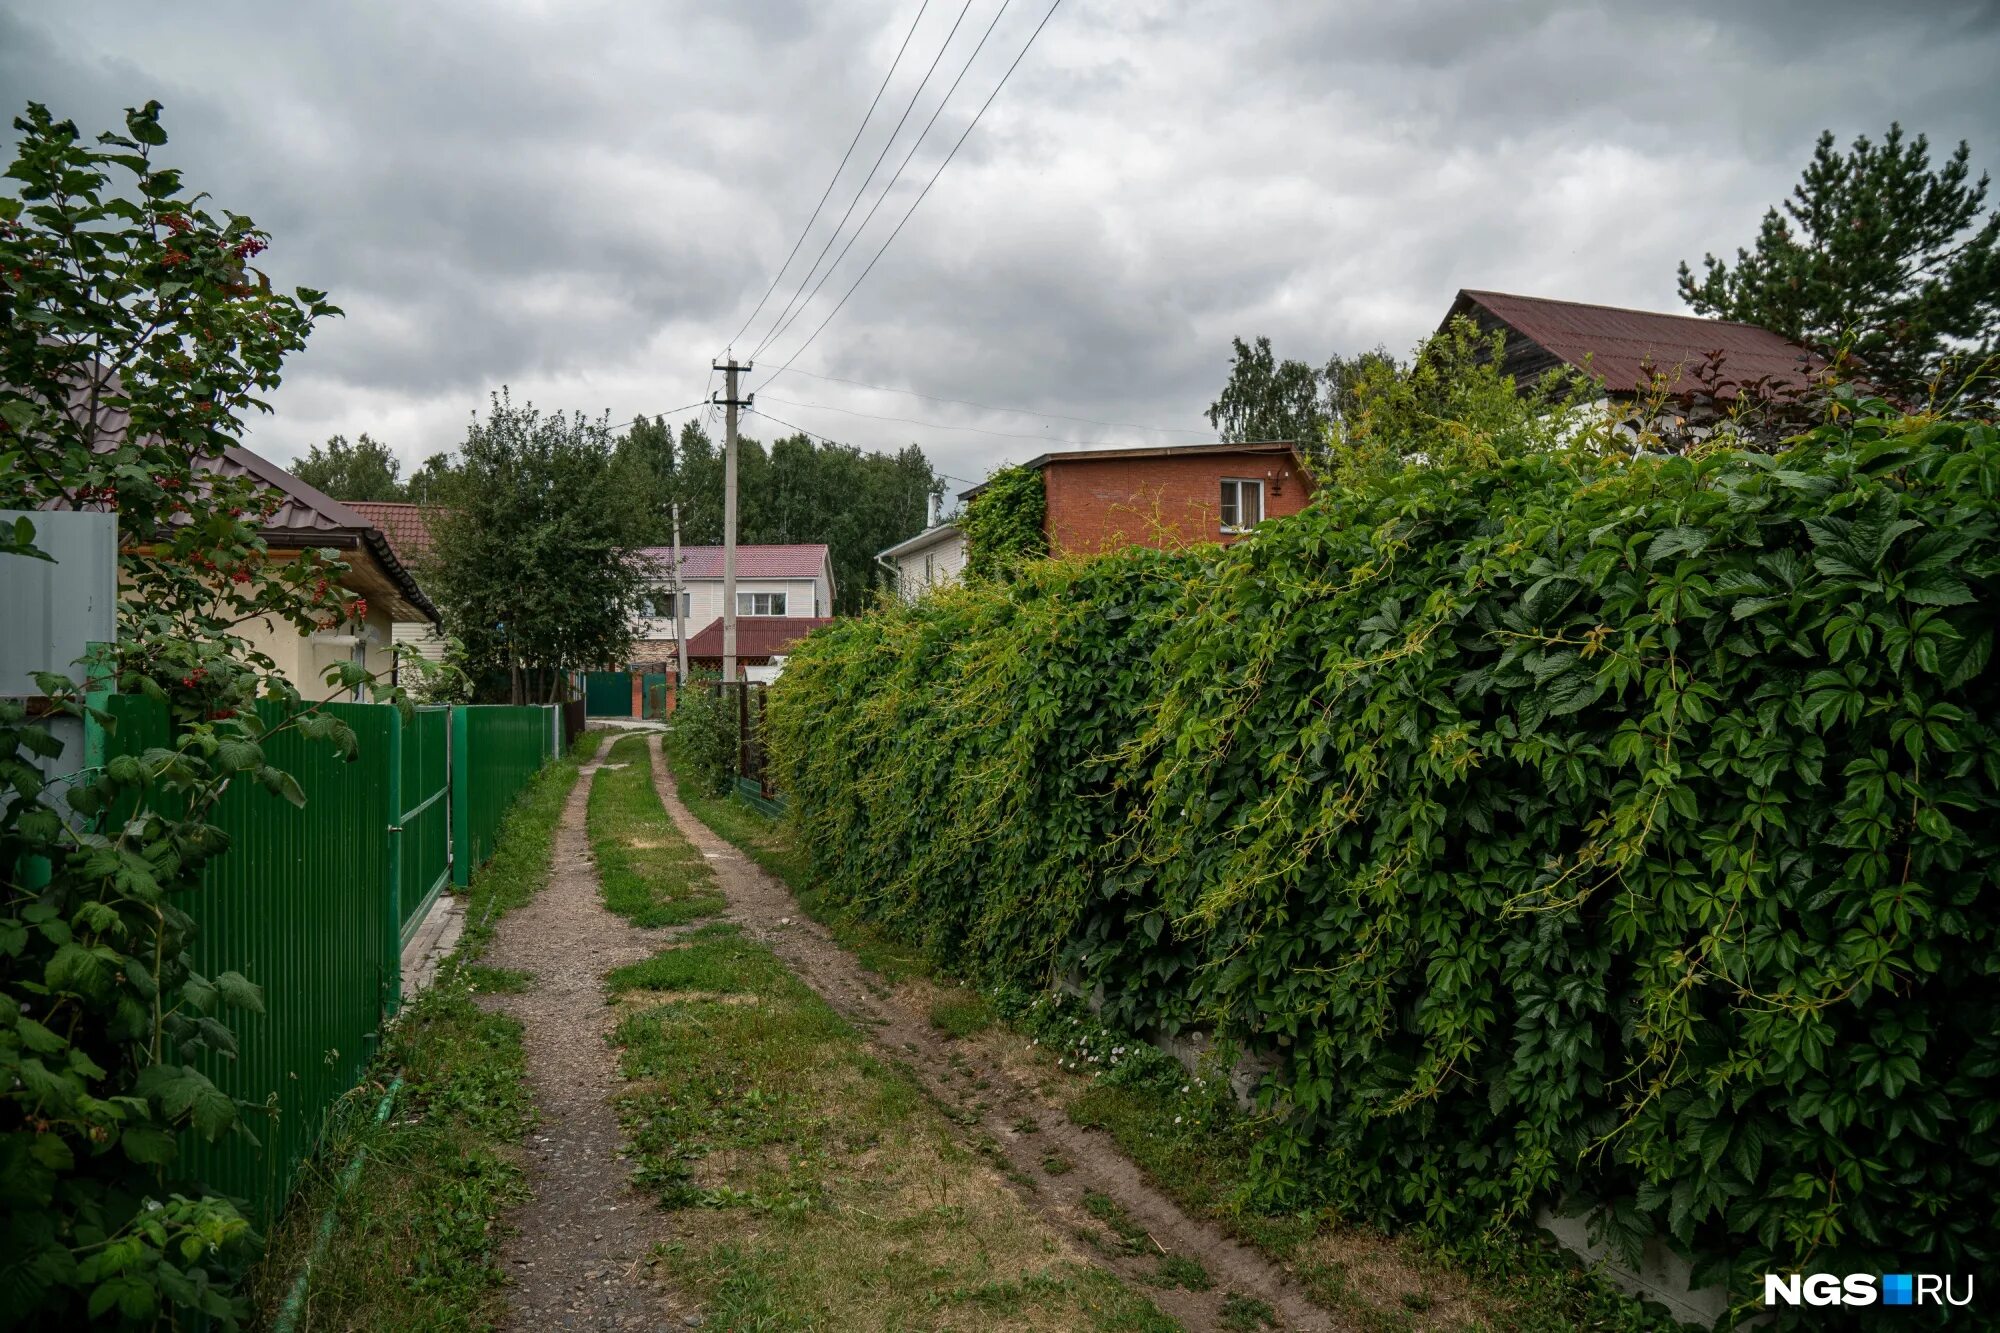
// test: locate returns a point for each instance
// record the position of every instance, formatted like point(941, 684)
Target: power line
point(921, 196)
point(779, 276)
point(989, 407)
point(673, 412)
point(887, 144)
point(901, 167)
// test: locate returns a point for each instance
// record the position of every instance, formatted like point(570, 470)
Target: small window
point(1242, 505)
point(760, 604)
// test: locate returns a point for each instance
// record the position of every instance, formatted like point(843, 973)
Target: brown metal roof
point(1621, 347)
point(1257, 448)
point(800, 560)
point(407, 526)
point(757, 637)
point(309, 516)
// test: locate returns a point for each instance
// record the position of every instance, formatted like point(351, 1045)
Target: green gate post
point(392, 927)
point(459, 777)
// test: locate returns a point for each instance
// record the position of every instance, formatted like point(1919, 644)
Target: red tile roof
point(756, 636)
point(407, 526)
point(1618, 345)
point(802, 561)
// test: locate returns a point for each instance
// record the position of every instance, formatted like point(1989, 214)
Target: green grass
point(963, 1013)
point(651, 875)
point(416, 1237)
point(815, 1186)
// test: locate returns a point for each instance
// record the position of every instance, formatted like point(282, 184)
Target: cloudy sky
point(585, 199)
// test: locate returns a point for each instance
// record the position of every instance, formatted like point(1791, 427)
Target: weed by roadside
point(415, 1236)
point(651, 875)
point(816, 1185)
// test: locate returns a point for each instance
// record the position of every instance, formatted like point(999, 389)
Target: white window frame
point(1233, 493)
point(746, 603)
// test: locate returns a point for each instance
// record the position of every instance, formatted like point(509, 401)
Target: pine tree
point(1877, 253)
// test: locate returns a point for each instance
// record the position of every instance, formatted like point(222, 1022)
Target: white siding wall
point(803, 597)
point(932, 567)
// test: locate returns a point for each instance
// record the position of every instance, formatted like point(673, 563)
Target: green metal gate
point(423, 841)
point(607, 693)
point(655, 686)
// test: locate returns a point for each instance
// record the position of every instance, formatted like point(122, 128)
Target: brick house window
point(760, 604)
point(1242, 504)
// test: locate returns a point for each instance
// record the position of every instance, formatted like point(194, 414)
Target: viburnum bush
point(134, 335)
point(1604, 831)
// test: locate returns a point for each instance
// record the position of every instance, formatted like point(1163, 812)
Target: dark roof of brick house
point(1260, 448)
point(1621, 347)
point(407, 526)
point(757, 637)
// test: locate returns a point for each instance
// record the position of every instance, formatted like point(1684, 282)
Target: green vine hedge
point(1581, 831)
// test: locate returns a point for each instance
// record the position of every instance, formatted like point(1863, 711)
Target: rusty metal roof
point(1621, 347)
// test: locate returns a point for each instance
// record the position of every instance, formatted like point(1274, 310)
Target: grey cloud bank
point(584, 200)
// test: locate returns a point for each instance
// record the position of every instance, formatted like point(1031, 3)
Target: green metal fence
point(504, 746)
point(313, 903)
point(302, 903)
point(423, 845)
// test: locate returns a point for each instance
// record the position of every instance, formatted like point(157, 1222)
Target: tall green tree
point(1875, 251)
point(363, 470)
point(535, 565)
point(1269, 399)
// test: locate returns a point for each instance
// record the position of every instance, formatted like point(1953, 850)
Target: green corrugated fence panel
point(426, 814)
point(607, 693)
point(297, 904)
point(496, 749)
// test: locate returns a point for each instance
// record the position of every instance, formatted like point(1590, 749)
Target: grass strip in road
point(652, 876)
point(1188, 1136)
point(416, 1236)
point(815, 1185)
point(765, 841)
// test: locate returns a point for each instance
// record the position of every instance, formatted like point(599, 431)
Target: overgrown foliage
point(136, 334)
point(701, 736)
point(1879, 253)
point(1006, 523)
point(1581, 830)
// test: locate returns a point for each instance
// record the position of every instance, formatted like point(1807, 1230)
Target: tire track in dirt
point(766, 910)
point(578, 1258)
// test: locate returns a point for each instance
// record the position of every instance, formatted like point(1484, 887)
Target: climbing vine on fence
point(1005, 523)
point(1578, 829)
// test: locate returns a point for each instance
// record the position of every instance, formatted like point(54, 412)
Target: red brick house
point(1165, 496)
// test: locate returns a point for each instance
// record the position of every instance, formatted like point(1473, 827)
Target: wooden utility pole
point(680, 616)
point(731, 403)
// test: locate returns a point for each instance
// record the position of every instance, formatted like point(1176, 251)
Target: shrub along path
point(1093, 1190)
point(579, 1259)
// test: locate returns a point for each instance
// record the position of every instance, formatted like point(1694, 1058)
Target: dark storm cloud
point(585, 199)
